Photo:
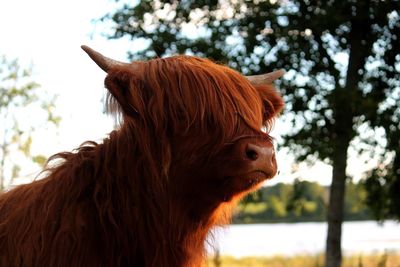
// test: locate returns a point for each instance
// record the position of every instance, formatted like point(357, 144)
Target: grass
point(373, 260)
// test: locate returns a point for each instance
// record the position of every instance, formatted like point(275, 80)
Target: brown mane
point(150, 192)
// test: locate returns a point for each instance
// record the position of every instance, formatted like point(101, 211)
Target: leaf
point(25, 147)
point(15, 172)
point(39, 159)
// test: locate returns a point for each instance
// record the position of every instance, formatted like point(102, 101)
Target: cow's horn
point(266, 78)
point(103, 62)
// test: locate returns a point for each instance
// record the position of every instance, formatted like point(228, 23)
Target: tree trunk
point(359, 46)
point(336, 208)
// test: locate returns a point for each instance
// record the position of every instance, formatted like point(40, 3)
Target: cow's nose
point(262, 158)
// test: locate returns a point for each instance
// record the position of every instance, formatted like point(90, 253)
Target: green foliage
point(300, 201)
point(307, 198)
point(39, 159)
point(383, 186)
point(355, 202)
point(19, 96)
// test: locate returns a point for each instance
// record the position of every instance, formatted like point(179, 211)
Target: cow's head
point(204, 126)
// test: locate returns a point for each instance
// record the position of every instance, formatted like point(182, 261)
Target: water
point(304, 238)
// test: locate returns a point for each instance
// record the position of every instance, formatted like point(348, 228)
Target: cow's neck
point(164, 235)
point(188, 241)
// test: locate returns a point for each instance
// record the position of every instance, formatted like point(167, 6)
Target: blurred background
point(336, 201)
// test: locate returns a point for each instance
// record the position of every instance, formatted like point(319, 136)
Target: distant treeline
point(299, 202)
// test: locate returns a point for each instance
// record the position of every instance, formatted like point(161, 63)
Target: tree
point(19, 97)
point(308, 199)
point(343, 58)
point(383, 182)
point(304, 201)
point(355, 207)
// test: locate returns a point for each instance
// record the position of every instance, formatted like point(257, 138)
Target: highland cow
point(192, 141)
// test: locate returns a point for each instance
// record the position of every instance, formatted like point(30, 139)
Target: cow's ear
point(273, 102)
point(120, 83)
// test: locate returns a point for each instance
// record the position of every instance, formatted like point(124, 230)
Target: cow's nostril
point(251, 154)
point(260, 157)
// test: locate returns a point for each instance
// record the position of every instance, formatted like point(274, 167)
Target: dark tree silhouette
point(343, 58)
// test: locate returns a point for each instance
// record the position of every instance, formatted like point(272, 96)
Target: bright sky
point(48, 33)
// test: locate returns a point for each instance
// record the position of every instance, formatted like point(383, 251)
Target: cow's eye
point(267, 112)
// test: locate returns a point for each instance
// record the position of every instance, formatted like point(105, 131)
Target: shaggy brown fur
point(150, 192)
